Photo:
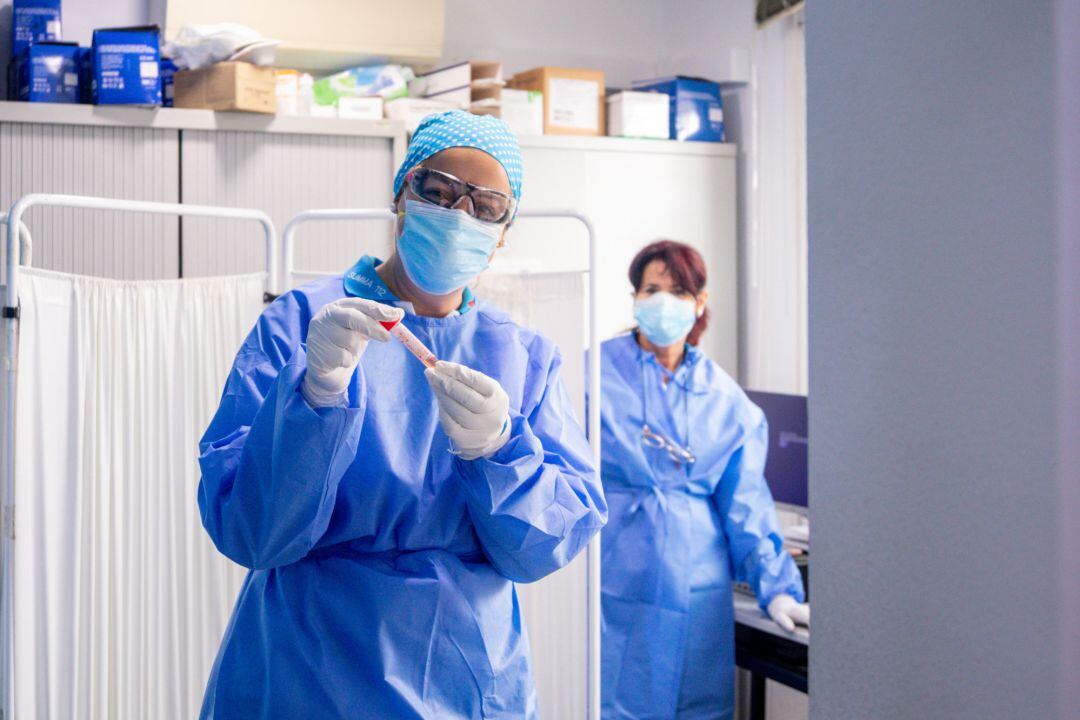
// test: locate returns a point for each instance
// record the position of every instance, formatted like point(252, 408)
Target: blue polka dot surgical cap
point(457, 128)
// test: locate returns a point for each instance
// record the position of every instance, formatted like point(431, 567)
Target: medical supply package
point(227, 86)
point(386, 81)
point(48, 72)
point(696, 110)
point(33, 21)
point(168, 71)
point(638, 115)
point(126, 66)
point(573, 98)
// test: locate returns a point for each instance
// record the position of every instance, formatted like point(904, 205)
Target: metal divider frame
point(18, 242)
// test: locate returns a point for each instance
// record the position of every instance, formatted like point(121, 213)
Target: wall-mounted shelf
point(184, 119)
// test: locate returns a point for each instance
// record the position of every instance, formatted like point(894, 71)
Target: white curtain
point(776, 265)
point(555, 608)
point(120, 599)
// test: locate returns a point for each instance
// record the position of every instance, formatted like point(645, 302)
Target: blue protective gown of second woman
point(382, 564)
point(679, 534)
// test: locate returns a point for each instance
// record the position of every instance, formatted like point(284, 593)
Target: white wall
point(939, 376)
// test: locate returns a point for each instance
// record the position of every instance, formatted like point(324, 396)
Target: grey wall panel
point(128, 163)
point(933, 400)
point(282, 174)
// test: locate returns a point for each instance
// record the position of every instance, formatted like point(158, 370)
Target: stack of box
point(34, 22)
point(474, 85)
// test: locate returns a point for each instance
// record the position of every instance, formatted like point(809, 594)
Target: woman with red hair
point(683, 452)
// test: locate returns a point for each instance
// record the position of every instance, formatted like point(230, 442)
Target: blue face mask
point(664, 318)
point(443, 250)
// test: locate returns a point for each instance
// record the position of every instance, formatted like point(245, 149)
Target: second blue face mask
point(664, 318)
point(443, 250)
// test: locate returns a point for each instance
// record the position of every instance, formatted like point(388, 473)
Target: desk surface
point(748, 613)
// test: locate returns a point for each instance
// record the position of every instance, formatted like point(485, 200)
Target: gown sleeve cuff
point(520, 457)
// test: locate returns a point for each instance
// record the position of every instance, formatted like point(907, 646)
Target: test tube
point(417, 348)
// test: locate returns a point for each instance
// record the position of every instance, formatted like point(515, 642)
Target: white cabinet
point(325, 35)
point(635, 191)
point(133, 163)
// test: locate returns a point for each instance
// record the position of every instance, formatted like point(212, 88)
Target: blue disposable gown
point(677, 535)
point(382, 564)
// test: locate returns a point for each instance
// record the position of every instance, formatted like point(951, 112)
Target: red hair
point(685, 266)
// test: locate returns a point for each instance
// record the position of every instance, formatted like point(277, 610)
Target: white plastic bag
point(197, 46)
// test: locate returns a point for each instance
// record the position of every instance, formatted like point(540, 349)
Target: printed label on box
point(148, 69)
point(716, 114)
point(574, 103)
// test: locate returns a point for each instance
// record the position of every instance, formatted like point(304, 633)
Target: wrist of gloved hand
point(482, 447)
point(474, 410)
point(318, 397)
point(786, 612)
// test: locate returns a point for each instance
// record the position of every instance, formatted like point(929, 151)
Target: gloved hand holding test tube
point(405, 335)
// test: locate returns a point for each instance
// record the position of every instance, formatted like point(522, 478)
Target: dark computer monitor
point(785, 469)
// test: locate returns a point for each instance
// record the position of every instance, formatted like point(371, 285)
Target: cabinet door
point(283, 174)
point(122, 162)
point(636, 198)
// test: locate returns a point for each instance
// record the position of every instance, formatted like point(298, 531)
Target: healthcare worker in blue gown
point(683, 451)
point(385, 510)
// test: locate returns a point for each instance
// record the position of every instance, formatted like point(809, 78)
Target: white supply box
point(360, 108)
point(412, 110)
point(523, 111)
point(639, 114)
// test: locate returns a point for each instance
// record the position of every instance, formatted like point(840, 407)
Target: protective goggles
point(445, 190)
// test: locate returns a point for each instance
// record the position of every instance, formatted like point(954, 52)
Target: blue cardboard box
point(697, 113)
point(126, 66)
point(33, 21)
point(168, 70)
point(48, 72)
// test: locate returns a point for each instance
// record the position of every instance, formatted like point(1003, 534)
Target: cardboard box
point(48, 72)
point(573, 99)
point(360, 108)
point(522, 111)
point(228, 86)
point(126, 66)
point(696, 111)
point(33, 21)
point(638, 115)
point(412, 110)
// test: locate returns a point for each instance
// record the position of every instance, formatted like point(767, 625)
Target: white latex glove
point(473, 409)
point(336, 339)
point(786, 611)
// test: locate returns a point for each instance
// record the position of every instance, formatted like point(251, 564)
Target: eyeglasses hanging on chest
point(653, 439)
